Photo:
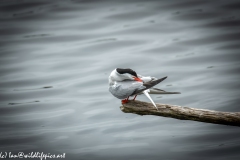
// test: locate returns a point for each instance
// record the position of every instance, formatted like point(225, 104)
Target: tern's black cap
point(127, 70)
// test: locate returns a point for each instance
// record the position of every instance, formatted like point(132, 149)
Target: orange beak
point(137, 79)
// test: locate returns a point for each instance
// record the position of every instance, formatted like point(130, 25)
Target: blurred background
point(56, 57)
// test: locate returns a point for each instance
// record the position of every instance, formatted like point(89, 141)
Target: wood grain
point(182, 113)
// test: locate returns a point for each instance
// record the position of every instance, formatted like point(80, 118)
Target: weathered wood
point(182, 113)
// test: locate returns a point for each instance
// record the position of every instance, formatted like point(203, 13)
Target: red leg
point(125, 100)
point(134, 97)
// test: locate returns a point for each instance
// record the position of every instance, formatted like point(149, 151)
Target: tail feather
point(147, 95)
point(159, 91)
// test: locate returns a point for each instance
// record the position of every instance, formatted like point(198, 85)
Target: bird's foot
point(124, 101)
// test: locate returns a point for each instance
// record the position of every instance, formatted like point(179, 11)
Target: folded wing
point(160, 91)
point(126, 88)
point(148, 85)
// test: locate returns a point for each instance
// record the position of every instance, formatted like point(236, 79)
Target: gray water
point(56, 57)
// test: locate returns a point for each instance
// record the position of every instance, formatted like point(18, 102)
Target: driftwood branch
point(182, 113)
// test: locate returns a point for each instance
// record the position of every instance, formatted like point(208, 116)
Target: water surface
point(56, 57)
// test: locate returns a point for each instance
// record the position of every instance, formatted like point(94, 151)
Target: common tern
point(124, 83)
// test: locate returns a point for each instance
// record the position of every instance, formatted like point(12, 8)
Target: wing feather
point(124, 89)
point(148, 85)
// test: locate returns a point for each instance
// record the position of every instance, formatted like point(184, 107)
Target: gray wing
point(160, 91)
point(124, 89)
point(148, 85)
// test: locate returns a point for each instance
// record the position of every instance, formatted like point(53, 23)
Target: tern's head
point(120, 74)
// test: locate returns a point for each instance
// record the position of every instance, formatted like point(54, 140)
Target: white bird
point(126, 82)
